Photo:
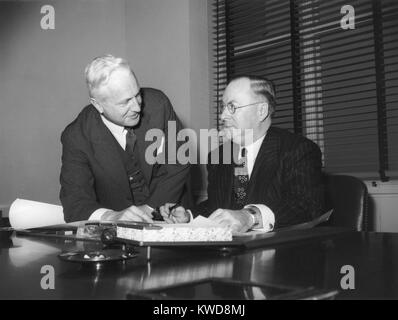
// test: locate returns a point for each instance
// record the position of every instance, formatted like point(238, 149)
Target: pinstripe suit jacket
point(286, 177)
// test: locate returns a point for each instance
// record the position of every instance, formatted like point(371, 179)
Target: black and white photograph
point(202, 156)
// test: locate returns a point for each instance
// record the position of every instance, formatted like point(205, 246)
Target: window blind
point(390, 59)
point(336, 86)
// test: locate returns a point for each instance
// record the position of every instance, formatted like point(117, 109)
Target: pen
point(174, 206)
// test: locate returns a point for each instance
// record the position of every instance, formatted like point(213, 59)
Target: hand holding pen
point(174, 213)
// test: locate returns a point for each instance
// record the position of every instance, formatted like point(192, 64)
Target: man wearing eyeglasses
point(104, 174)
point(276, 181)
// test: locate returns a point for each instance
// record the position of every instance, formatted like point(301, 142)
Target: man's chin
point(233, 134)
point(131, 122)
point(237, 139)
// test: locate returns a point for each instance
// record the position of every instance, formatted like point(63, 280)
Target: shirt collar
point(113, 127)
point(255, 146)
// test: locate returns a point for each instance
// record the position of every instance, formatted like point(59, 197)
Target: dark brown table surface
point(309, 263)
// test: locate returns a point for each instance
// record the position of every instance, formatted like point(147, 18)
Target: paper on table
point(25, 214)
point(201, 221)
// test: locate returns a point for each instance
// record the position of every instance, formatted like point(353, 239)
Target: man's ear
point(263, 111)
point(96, 105)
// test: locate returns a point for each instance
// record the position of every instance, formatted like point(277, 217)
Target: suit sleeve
point(302, 198)
point(169, 180)
point(208, 206)
point(77, 193)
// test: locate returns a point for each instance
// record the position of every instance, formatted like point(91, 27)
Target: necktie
point(136, 178)
point(241, 179)
point(131, 139)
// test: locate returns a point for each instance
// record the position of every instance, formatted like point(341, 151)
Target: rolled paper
point(25, 214)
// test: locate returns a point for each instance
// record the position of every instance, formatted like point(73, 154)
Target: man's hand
point(177, 215)
point(132, 213)
point(237, 220)
point(146, 209)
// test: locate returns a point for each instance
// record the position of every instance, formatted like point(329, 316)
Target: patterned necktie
point(241, 179)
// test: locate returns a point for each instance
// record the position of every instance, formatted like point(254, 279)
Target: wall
point(42, 84)
point(156, 38)
point(169, 49)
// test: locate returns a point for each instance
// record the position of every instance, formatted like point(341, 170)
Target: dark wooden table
point(309, 263)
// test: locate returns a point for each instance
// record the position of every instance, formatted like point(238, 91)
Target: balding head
point(260, 87)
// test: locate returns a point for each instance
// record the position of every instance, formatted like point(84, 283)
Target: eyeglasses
point(232, 108)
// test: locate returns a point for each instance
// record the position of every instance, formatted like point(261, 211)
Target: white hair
point(99, 70)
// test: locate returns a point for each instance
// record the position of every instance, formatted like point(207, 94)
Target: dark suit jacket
point(93, 175)
point(286, 177)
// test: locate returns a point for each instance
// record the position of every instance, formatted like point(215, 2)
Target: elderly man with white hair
point(104, 174)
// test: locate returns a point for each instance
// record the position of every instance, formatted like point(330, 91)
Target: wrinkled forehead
point(238, 90)
point(121, 81)
point(122, 78)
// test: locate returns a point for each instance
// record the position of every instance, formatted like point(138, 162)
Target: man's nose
point(224, 114)
point(135, 105)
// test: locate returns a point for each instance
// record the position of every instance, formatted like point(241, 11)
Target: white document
point(25, 214)
point(200, 229)
point(201, 221)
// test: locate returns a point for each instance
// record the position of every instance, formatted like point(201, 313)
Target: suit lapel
point(226, 177)
point(267, 161)
point(107, 154)
point(142, 145)
point(225, 192)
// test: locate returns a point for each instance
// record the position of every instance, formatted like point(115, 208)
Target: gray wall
point(42, 85)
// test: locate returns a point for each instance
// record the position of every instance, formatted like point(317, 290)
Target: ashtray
point(99, 256)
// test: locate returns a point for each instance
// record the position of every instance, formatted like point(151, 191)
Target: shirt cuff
point(97, 214)
point(190, 216)
point(146, 208)
point(267, 216)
